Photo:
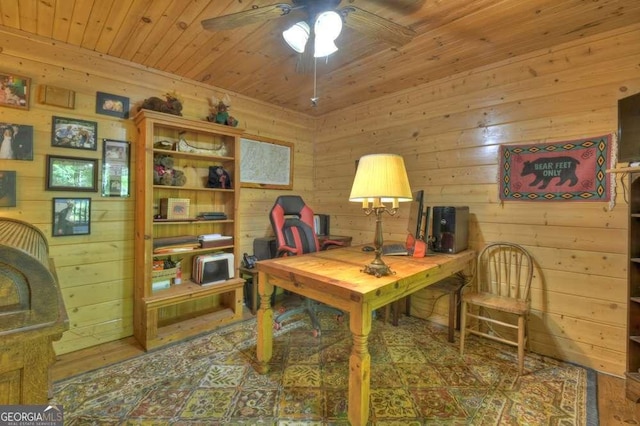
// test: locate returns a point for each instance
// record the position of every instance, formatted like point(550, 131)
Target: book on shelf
point(212, 216)
point(175, 248)
point(214, 240)
point(175, 241)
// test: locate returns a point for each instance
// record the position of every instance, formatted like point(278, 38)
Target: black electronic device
point(450, 229)
point(368, 248)
point(322, 224)
point(265, 248)
point(629, 129)
point(416, 212)
point(249, 261)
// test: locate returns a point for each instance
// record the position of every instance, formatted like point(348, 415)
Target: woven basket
point(164, 274)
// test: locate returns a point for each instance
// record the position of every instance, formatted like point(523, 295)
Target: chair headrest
point(291, 204)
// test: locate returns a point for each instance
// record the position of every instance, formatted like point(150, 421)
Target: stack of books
point(214, 240)
point(175, 244)
point(212, 216)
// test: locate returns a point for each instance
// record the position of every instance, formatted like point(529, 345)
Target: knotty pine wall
point(449, 132)
point(96, 271)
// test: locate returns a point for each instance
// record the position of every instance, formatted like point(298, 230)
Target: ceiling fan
point(354, 17)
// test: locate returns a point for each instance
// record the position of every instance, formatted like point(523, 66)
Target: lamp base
point(378, 270)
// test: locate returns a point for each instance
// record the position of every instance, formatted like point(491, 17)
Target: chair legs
point(452, 286)
point(521, 331)
point(312, 308)
point(463, 325)
point(521, 343)
point(394, 309)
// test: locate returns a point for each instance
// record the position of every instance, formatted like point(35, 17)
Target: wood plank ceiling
point(451, 36)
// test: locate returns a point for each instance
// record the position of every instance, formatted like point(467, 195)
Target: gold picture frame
point(14, 90)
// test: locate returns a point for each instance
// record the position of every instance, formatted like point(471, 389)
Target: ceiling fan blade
point(376, 26)
point(407, 5)
point(251, 16)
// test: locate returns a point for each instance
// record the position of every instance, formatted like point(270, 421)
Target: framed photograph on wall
point(74, 133)
point(7, 188)
point(115, 168)
point(71, 174)
point(71, 216)
point(113, 105)
point(14, 91)
point(16, 142)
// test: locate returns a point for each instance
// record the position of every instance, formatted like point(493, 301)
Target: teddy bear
point(165, 174)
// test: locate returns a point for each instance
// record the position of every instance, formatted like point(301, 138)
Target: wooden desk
point(334, 277)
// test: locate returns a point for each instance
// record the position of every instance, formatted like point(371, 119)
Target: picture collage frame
point(116, 168)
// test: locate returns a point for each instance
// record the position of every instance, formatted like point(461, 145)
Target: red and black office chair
point(293, 225)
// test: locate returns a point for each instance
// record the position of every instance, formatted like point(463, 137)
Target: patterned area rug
point(418, 378)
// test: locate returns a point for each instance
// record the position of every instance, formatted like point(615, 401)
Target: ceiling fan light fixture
point(324, 48)
point(327, 27)
point(297, 35)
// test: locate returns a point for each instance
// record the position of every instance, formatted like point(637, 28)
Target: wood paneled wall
point(449, 133)
point(96, 270)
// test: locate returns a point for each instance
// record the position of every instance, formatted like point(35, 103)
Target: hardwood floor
point(614, 408)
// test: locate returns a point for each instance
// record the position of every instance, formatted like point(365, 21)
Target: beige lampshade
point(383, 177)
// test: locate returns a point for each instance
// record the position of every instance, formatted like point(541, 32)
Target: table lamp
point(380, 179)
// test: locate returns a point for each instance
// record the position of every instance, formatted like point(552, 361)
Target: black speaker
point(629, 129)
point(322, 224)
point(265, 248)
point(450, 229)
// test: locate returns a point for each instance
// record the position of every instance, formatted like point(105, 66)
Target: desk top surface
point(342, 269)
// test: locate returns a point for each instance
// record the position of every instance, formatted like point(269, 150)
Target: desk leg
point(254, 293)
point(264, 344)
point(359, 368)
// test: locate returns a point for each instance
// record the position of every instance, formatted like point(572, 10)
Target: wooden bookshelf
point(164, 315)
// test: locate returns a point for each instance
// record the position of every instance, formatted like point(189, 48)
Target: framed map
point(266, 163)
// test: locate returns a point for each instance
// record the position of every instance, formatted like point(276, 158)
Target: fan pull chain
point(314, 100)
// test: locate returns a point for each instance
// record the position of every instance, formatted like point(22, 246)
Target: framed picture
point(115, 168)
point(71, 216)
point(74, 133)
point(265, 163)
point(14, 91)
point(7, 188)
point(114, 105)
point(56, 96)
point(71, 174)
point(16, 142)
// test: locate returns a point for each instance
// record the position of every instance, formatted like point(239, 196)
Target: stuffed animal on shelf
point(165, 174)
point(219, 178)
point(220, 112)
point(172, 105)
